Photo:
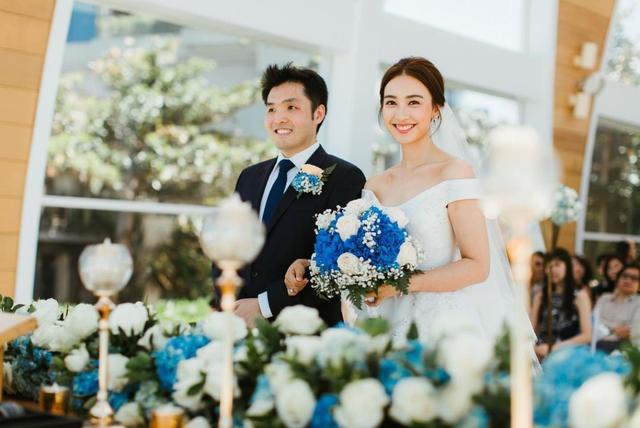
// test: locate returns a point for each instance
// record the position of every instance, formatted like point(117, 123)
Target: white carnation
point(128, 317)
point(46, 311)
point(407, 256)
point(214, 326)
point(397, 215)
point(599, 402)
point(77, 360)
point(295, 404)
point(349, 264)
point(347, 226)
point(129, 415)
point(117, 364)
point(414, 400)
point(198, 422)
point(302, 348)
point(82, 320)
point(299, 319)
point(361, 404)
point(357, 207)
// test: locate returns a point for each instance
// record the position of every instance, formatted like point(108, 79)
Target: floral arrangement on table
point(360, 247)
point(566, 208)
point(297, 373)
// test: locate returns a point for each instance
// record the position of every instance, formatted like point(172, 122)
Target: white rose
point(189, 373)
point(295, 404)
point(128, 317)
point(407, 256)
point(82, 320)
point(54, 337)
point(279, 375)
point(361, 404)
point(347, 226)
point(414, 400)
point(599, 402)
point(77, 360)
point(312, 169)
point(349, 264)
point(211, 353)
point(46, 311)
point(357, 207)
point(340, 344)
point(261, 406)
point(214, 326)
point(323, 221)
point(465, 356)
point(455, 400)
point(153, 339)
point(130, 415)
point(302, 348)
point(299, 319)
point(198, 422)
point(117, 364)
point(397, 215)
point(213, 381)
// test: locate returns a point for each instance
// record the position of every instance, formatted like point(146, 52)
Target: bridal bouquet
point(359, 248)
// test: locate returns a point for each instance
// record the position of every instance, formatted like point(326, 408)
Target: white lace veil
point(499, 302)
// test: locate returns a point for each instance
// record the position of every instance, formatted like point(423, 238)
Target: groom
point(296, 106)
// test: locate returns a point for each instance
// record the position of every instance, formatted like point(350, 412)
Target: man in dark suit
point(296, 102)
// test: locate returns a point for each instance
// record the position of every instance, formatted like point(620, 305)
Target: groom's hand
point(248, 310)
point(294, 279)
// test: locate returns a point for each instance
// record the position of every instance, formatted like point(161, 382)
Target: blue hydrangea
point(392, 372)
point(118, 399)
point(31, 367)
point(323, 412)
point(85, 383)
point(175, 350)
point(564, 371)
point(307, 183)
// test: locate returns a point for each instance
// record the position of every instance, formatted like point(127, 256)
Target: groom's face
point(290, 121)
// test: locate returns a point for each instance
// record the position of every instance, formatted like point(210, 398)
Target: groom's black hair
point(314, 85)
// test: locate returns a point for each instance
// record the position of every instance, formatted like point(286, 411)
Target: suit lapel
point(317, 159)
point(261, 183)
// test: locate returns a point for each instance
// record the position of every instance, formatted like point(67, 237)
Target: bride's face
point(407, 109)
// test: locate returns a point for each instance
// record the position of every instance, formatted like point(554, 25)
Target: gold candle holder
point(54, 399)
point(167, 416)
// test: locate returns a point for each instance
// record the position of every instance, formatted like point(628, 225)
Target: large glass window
point(623, 56)
point(614, 183)
point(148, 112)
point(469, 18)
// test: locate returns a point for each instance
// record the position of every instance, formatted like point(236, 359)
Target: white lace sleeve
point(461, 189)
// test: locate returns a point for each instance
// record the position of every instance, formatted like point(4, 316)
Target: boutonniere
point(311, 179)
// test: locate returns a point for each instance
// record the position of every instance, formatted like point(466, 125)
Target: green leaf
point(412, 334)
point(374, 326)
point(195, 388)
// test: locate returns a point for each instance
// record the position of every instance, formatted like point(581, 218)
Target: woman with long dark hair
point(561, 314)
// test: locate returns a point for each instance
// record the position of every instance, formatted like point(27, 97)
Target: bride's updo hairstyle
point(421, 69)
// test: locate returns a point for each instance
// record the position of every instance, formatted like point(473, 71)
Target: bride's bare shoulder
point(377, 181)
point(457, 169)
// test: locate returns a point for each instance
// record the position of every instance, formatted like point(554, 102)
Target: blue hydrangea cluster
point(175, 350)
point(31, 367)
point(323, 412)
point(307, 183)
point(566, 206)
point(85, 384)
point(564, 371)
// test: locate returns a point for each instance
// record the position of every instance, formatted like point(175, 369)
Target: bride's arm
point(470, 230)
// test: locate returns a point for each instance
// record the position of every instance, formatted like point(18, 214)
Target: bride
point(465, 271)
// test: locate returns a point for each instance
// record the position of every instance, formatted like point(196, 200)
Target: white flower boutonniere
point(311, 179)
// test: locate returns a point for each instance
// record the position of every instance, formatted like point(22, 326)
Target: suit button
point(254, 274)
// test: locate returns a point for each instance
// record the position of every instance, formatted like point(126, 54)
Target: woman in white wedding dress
point(466, 279)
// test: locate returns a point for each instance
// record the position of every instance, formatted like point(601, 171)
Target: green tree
point(157, 130)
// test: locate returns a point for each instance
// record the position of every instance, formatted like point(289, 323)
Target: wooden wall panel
point(579, 21)
point(24, 34)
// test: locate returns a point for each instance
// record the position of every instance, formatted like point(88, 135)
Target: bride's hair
point(418, 68)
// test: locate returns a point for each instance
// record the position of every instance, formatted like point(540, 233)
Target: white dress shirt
point(298, 160)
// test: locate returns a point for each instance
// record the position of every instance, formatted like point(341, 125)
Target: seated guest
point(620, 310)
point(627, 251)
point(612, 267)
point(536, 282)
point(582, 271)
point(561, 316)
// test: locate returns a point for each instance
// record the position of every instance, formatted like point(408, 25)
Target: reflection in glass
point(614, 183)
point(623, 55)
point(168, 260)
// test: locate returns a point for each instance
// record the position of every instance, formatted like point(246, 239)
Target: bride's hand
point(384, 292)
point(294, 279)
